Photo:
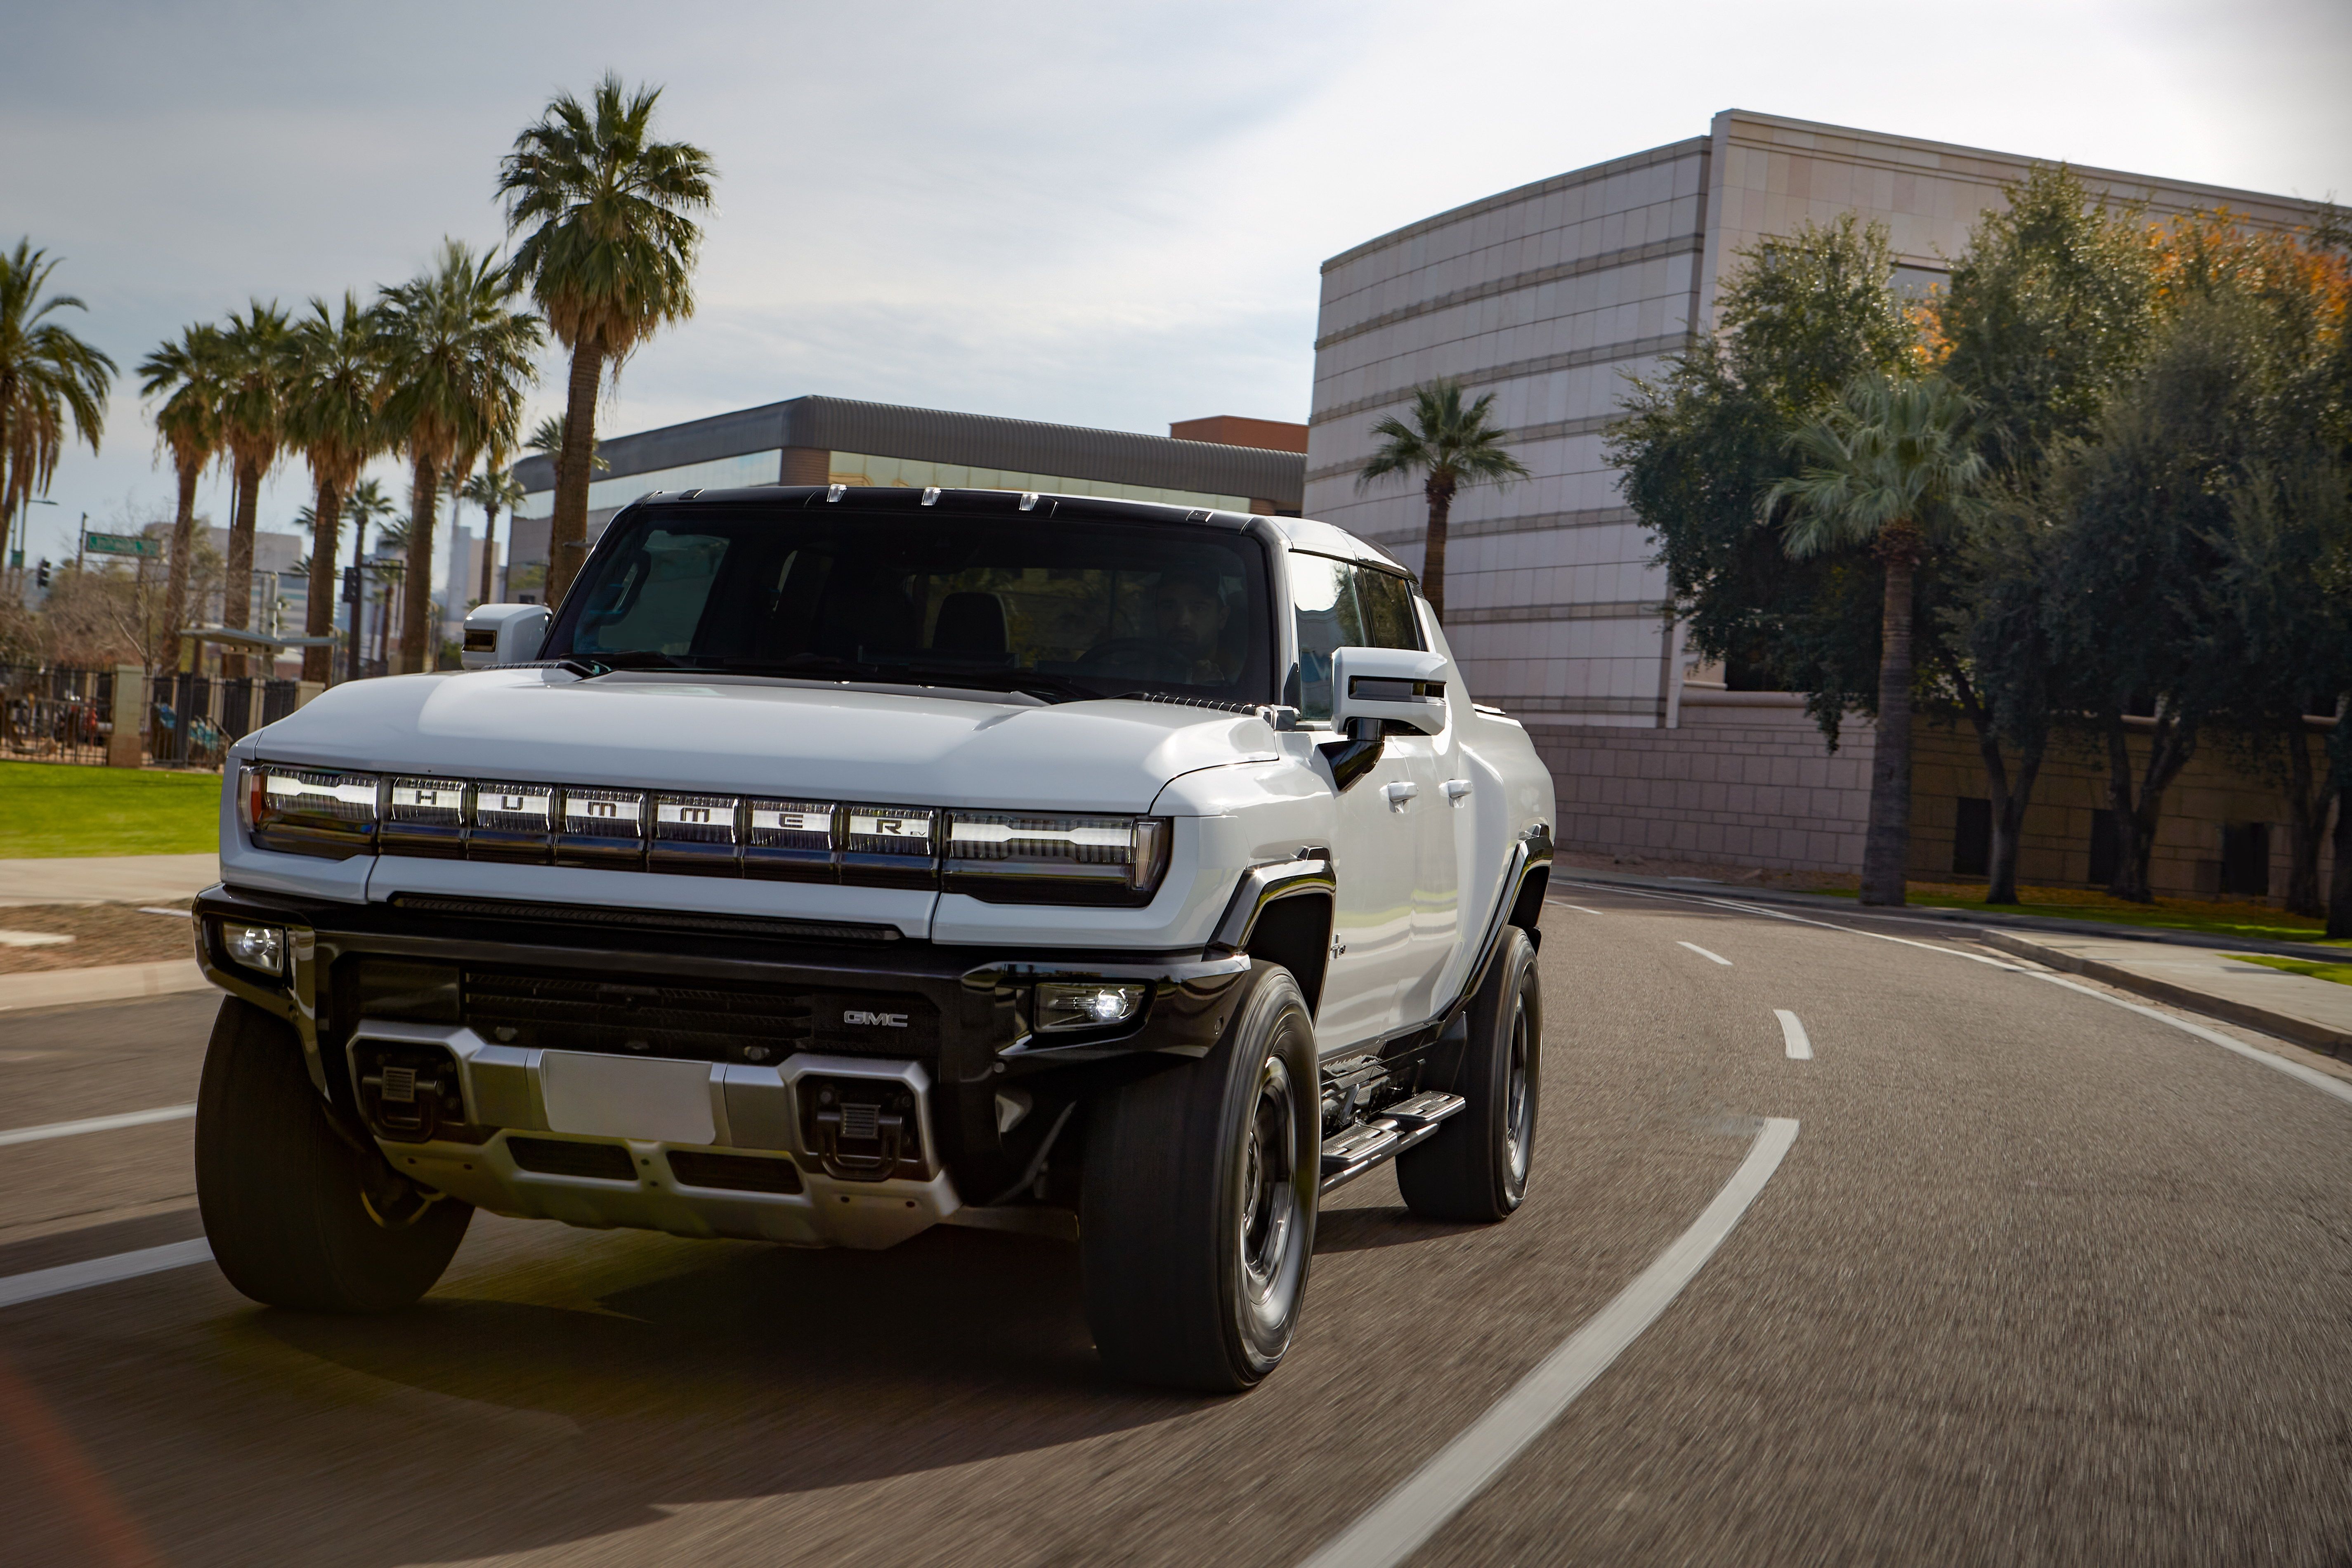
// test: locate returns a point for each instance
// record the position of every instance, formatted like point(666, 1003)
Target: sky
point(1103, 214)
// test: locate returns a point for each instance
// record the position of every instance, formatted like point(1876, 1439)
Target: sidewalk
point(103, 983)
point(106, 879)
point(2315, 1013)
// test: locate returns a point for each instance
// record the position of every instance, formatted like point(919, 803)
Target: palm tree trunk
point(176, 581)
point(1440, 492)
point(237, 581)
point(319, 614)
point(1888, 843)
point(567, 531)
point(490, 551)
point(357, 655)
point(2307, 822)
point(416, 600)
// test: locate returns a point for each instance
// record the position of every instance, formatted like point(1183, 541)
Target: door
point(1392, 837)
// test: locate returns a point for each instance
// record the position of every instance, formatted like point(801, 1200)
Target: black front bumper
point(653, 985)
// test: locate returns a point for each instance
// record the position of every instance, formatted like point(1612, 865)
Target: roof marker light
point(931, 495)
point(833, 492)
point(1028, 500)
point(689, 495)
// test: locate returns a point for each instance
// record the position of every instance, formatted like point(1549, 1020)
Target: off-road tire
point(1475, 1167)
point(285, 1198)
point(1197, 1215)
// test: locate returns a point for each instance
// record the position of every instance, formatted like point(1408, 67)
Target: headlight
point(1093, 1006)
point(1032, 857)
point(306, 812)
point(261, 948)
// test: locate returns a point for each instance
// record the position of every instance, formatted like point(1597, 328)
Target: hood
point(761, 737)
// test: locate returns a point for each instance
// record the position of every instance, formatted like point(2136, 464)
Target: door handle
point(1399, 792)
point(1457, 790)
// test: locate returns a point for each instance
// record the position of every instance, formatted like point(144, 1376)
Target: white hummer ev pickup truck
point(835, 862)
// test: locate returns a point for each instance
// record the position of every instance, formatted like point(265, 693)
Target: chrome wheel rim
point(1269, 1202)
point(1519, 1118)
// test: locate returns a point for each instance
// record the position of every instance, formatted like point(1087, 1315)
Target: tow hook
point(862, 1129)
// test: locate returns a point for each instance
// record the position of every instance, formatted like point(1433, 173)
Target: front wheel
point(1197, 1218)
point(297, 1216)
point(1475, 1167)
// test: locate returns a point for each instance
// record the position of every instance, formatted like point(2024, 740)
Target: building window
point(1972, 839)
point(917, 473)
point(2103, 846)
point(2246, 859)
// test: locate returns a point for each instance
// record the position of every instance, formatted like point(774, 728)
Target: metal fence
point(54, 715)
point(194, 719)
point(61, 715)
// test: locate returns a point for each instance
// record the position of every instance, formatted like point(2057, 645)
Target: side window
point(1341, 605)
point(655, 602)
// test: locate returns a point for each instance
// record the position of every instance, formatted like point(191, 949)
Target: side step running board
point(1349, 1154)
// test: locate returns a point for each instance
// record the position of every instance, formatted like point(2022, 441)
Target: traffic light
point(351, 584)
point(41, 574)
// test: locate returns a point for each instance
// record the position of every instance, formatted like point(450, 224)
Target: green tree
point(1886, 469)
point(2050, 308)
point(547, 440)
point(610, 253)
point(1801, 316)
point(334, 417)
point(50, 378)
point(1447, 445)
point(455, 350)
point(258, 367)
point(186, 373)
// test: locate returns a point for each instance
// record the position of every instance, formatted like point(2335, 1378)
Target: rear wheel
point(1197, 1219)
point(297, 1216)
point(1475, 1166)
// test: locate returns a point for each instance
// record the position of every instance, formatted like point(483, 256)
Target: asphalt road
point(2041, 1279)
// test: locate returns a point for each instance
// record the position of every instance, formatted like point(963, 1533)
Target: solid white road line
point(1579, 908)
point(2296, 1070)
point(1792, 1034)
point(1400, 1524)
point(96, 1124)
point(151, 909)
point(1704, 953)
point(40, 1282)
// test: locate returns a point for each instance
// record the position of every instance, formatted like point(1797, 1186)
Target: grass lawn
point(2339, 972)
point(55, 808)
point(2258, 922)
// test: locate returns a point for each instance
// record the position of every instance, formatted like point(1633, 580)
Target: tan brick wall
point(1756, 786)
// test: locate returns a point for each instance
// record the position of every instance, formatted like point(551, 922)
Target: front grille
point(555, 1157)
point(711, 1022)
point(734, 1173)
point(764, 926)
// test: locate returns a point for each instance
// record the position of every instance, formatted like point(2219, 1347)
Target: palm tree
point(457, 357)
point(258, 365)
point(1890, 459)
point(1449, 446)
point(48, 377)
point(492, 489)
point(333, 415)
point(186, 371)
point(366, 507)
point(610, 257)
point(395, 539)
point(547, 440)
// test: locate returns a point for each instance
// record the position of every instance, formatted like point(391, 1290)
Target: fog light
point(1089, 1007)
point(255, 947)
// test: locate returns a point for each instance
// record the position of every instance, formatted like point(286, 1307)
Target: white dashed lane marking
point(1792, 1034)
point(58, 1281)
point(1704, 953)
point(96, 1124)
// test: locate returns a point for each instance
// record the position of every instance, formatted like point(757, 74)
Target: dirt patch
point(102, 933)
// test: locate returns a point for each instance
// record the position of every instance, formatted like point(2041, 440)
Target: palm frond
point(50, 379)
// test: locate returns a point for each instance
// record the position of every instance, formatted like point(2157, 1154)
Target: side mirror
point(503, 633)
point(1383, 683)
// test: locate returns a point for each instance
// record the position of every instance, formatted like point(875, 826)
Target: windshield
point(1067, 609)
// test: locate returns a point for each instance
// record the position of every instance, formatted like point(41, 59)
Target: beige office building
point(1550, 296)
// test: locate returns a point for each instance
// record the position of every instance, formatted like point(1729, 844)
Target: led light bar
point(602, 828)
point(790, 840)
point(1016, 856)
point(311, 812)
point(425, 817)
point(695, 834)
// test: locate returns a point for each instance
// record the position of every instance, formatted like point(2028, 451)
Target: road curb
point(2286, 1026)
point(100, 982)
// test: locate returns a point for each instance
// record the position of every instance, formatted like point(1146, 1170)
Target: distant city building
point(1550, 296)
point(1241, 465)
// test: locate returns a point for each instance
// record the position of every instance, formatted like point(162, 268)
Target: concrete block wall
point(1737, 785)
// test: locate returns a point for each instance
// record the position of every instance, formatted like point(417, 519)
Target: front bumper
point(721, 1079)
